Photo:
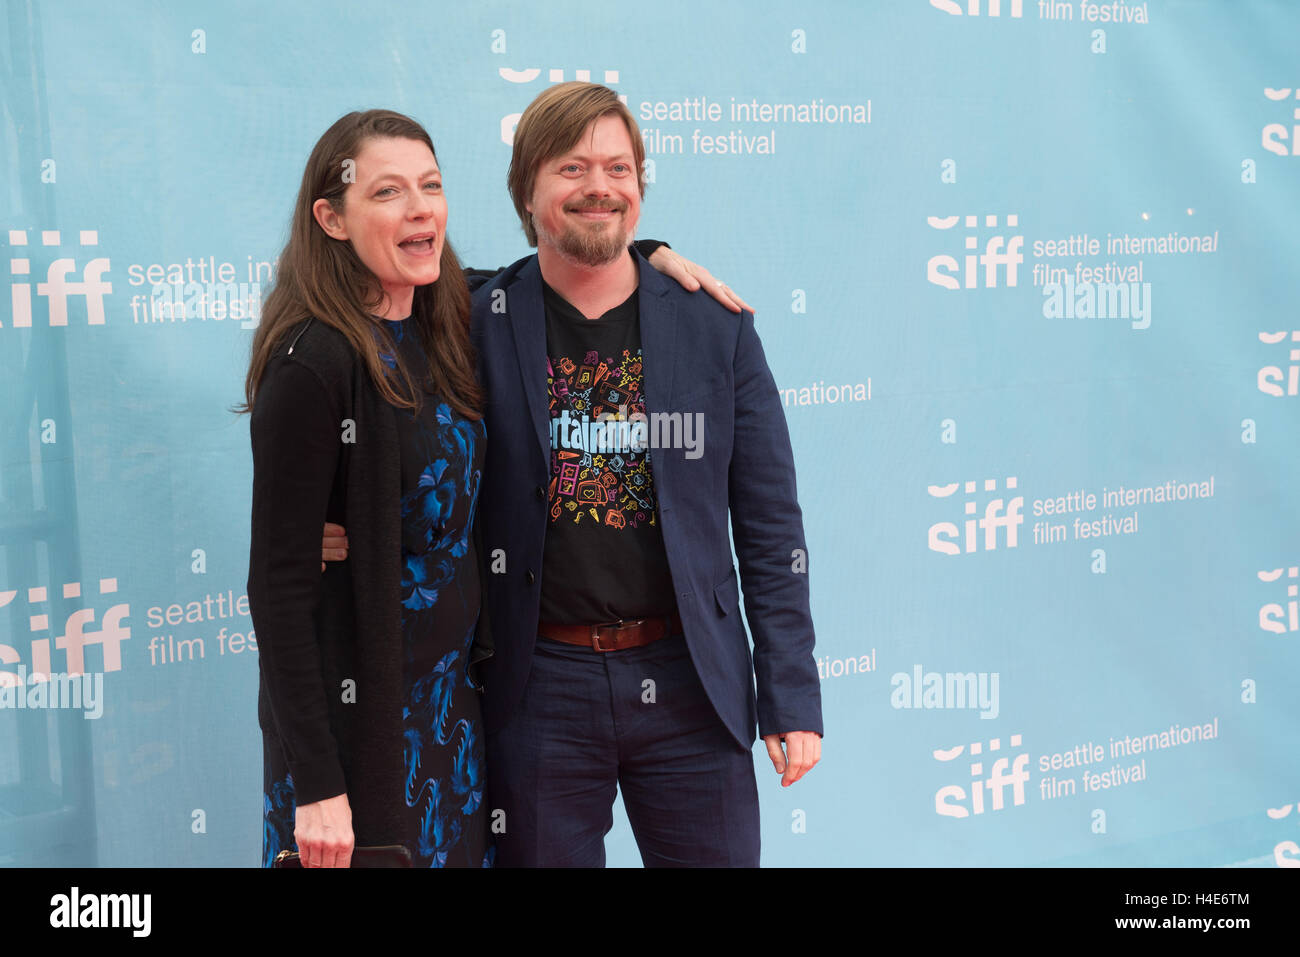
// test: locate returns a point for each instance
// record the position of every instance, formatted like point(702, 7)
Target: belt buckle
point(617, 626)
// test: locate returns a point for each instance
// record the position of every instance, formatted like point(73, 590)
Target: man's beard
point(589, 245)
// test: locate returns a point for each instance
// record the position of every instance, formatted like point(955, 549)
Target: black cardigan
point(325, 447)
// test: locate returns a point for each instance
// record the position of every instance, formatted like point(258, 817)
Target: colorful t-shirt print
point(600, 469)
point(604, 554)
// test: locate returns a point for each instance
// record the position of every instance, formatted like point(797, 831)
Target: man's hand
point(803, 749)
point(334, 544)
point(692, 276)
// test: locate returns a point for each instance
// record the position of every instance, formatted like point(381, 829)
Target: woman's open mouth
point(418, 247)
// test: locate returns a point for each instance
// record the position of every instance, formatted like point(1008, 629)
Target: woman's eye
point(386, 189)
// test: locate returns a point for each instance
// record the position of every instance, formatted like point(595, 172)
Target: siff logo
point(973, 7)
point(945, 536)
point(554, 75)
point(998, 251)
point(1287, 853)
point(1273, 136)
point(1273, 617)
point(1270, 378)
point(946, 798)
point(75, 637)
point(57, 287)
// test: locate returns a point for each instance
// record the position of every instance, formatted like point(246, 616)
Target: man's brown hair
point(550, 127)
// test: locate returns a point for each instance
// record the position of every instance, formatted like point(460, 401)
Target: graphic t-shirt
point(604, 557)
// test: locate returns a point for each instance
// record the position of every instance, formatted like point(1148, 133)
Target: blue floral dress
point(442, 464)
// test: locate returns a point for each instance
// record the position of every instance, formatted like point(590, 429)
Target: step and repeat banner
point(1025, 273)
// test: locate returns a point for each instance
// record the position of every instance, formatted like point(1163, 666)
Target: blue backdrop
point(1052, 528)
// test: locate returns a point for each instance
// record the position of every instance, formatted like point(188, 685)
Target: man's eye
point(386, 189)
point(435, 184)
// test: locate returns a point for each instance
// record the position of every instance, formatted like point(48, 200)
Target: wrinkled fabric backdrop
point(1025, 276)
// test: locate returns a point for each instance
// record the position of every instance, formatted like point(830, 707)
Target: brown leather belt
point(614, 635)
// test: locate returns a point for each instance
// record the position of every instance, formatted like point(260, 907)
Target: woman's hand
point(333, 545)
point(323, 832)
point(692, 276)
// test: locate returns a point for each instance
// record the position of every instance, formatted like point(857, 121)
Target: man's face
point(586, 202)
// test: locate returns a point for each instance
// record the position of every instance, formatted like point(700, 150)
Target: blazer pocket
point(727, 594)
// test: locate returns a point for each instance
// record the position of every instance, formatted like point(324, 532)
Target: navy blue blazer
point(698, 357)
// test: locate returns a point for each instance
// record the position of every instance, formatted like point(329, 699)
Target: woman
point(366, 413)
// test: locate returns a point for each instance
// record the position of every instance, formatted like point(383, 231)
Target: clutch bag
point(387, 855)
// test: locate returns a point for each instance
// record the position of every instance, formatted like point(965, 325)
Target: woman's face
point(395, 216)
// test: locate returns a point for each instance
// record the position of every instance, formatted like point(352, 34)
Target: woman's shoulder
point(313, 356)
point(320, 347)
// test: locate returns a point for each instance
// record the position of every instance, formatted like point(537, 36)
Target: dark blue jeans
point(590, 722)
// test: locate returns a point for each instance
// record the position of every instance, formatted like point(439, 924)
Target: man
point(626, 420)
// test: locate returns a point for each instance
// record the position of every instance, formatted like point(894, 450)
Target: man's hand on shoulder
point(692, 276)
point(803, 749)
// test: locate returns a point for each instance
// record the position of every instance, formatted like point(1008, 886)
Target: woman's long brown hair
point(321, 277)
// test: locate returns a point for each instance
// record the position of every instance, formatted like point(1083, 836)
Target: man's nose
point(596, 182)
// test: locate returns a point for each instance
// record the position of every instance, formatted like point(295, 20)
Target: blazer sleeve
point(296, 446)
point(767, 527)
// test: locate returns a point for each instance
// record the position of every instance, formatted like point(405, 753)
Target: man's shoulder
point(482, 296)
point(703, 323)
point(700, 303)
point(697, 306)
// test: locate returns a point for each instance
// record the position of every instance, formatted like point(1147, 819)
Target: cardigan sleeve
point(296, 435)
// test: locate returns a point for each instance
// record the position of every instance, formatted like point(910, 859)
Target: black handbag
point(387, 855)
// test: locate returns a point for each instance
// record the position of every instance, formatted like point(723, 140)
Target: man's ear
point(329, 219)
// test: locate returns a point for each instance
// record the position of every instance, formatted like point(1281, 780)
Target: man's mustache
point(614, 205)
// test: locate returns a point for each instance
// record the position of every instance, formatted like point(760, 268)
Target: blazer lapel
point(528, 323)
point(658, 337)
